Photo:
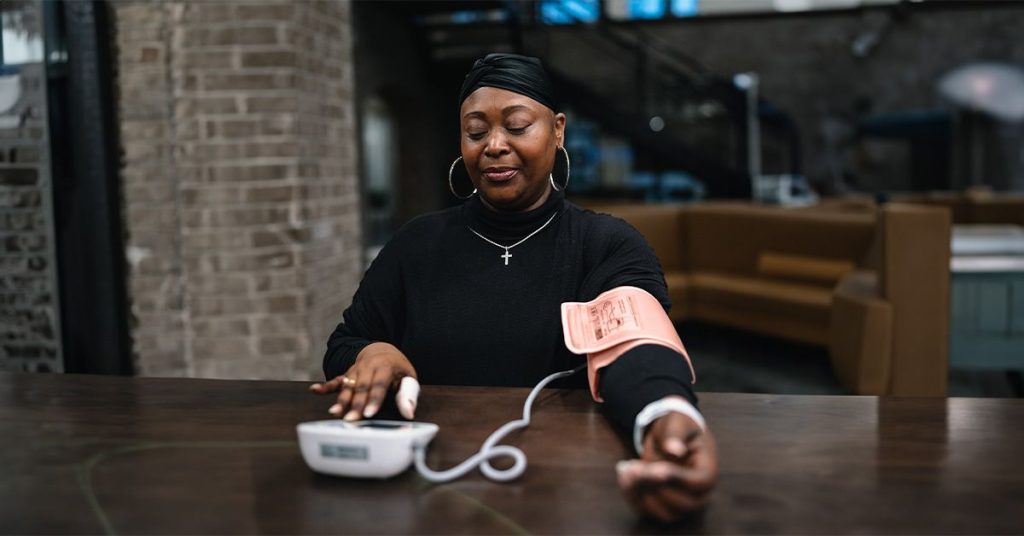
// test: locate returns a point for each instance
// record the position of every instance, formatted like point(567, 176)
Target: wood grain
point(93, 454)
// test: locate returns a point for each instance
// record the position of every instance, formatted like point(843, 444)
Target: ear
point(560, 129)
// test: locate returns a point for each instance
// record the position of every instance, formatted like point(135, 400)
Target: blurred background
point(195, 188)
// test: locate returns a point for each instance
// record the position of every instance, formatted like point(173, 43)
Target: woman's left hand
point(677, 471)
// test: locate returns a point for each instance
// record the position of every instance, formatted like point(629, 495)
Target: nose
point(497, 145)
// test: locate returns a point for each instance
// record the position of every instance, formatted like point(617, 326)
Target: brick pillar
point(240, 181)
point(29, 319)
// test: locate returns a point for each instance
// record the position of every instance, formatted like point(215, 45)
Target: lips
point(499, 174)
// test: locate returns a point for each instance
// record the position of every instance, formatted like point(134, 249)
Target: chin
point(500, 201)
point(501, 196)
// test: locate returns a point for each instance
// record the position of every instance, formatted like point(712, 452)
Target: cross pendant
point(506, 256)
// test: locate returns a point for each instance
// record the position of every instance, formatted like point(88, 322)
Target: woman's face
point(508, 145)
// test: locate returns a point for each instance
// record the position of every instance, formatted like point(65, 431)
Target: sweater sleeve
point(375, 315)
point(648, 372)
point(641, 376)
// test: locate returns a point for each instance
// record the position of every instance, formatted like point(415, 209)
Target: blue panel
point(684, 8)
point(987, 321)
point(645, 9)
point(987, 353)
point(1017, 311)
point(962, 306)
point(992, 307)
point(642, 180)
point(466, 17)
point(569, 11)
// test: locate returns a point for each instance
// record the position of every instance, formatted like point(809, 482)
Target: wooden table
point(82, 454)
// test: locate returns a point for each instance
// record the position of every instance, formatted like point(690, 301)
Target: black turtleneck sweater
point(446, 298)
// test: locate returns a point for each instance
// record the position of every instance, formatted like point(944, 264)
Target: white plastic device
point(369, 449)
point(382, 449)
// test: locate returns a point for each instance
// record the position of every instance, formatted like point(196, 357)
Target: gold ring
point(345, 380)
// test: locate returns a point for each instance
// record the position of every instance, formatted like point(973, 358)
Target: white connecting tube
point(490, 448)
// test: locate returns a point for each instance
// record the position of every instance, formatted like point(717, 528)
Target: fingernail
point(674, 446)
point(370, 411)
point(335, 409)
point(628, 466)
point(314, 387)
point(407, 407)
point(408, 392)
point(352, 416)
point(658, 471)
point(624, 470)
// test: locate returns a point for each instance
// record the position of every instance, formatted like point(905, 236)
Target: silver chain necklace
point(508, 255)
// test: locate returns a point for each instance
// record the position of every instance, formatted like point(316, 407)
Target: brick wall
point(240, 183)
point(332, 260)
point(29, 322)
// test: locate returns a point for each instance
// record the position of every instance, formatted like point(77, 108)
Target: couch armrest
point(914, 279)
point(860, 334)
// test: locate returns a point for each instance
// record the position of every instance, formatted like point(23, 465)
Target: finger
point(698, 477)
point(670, 437)
point(327, 387)
point(626, 472)
point(677, 431)
point(698, 480)
point(660, 496)
point(657, 473)
point(700, 472)
point(651, 505)
point(639, 490)
point(642, 487)
point(378, 390)
point(344, 395)
point(682, 501)
point(674, 508)
point(359, 392)
point(408, 396)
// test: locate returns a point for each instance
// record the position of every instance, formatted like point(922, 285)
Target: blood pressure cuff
point(612, 324)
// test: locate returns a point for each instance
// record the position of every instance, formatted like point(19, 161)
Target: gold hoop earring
point(451, 187)
point(551, 176)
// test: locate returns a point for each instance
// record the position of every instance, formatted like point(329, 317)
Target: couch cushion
point(728, 238)
point(789, 310)
point(762, 295)
point(801, 268)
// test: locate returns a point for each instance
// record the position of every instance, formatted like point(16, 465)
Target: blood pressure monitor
point(367, 449)
point(382, 449)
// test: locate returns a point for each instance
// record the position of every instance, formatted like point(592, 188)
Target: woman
point(471, 295)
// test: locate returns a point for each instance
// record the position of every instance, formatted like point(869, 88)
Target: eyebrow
point(504, 111)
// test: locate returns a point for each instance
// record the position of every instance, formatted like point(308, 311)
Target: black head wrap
point(519, 74)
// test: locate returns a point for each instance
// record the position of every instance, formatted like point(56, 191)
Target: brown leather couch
point(872, 288)
point(977, 206)
point(889, 330)
point(973, 206)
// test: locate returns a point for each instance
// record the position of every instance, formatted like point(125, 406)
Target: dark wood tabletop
point(92, 454)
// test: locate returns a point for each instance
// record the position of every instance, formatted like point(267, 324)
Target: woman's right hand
point(361, 390)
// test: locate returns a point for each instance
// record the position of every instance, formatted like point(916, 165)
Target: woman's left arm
point(678, 462)
point(677, 471)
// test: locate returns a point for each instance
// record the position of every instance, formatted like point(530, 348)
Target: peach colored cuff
point(612, 324)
